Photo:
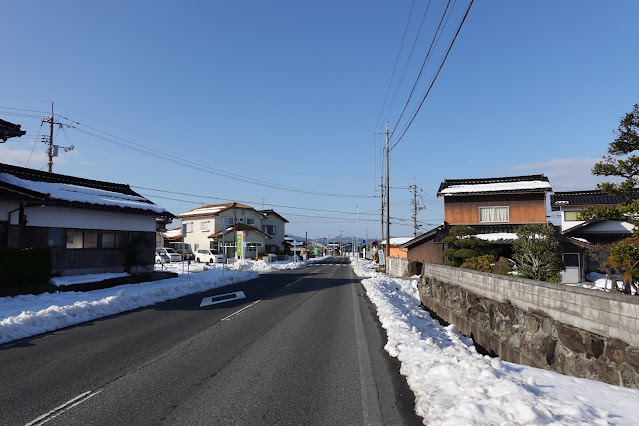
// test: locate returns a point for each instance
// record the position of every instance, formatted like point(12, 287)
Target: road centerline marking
point(62, 408)
point(237, 312)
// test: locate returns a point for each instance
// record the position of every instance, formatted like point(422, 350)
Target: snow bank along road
point(301, 347)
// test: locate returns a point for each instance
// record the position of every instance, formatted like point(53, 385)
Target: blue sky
point(289, 93)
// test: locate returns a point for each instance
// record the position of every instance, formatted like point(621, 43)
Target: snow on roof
point(82, 194)
point(497, 187)
point(175, 232)
point(395, 241)
point(213, 209)
point(203, 211)
point(498, 236)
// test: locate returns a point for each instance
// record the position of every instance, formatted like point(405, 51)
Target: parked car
point(173, 255)
point(188, 254)
point(161, 257)
point(208, 256)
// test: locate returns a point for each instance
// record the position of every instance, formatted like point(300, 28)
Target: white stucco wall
point(571, 223)
point(280, 230)
point(60, 217)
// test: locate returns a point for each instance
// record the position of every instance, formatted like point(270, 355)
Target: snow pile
point(498, 236)
point(28, 315)
point(262, 266)
point(87, 278)
point(602, 283)
point(455, 385)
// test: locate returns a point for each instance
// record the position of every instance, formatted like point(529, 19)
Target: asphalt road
point(303, 347)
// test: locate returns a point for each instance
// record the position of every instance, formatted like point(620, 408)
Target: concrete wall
point(575, 331)
point(397, 267)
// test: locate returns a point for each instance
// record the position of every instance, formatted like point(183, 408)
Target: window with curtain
point(571, 216)
point(494, 214)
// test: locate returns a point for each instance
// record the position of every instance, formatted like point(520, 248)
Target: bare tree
point(600, 253)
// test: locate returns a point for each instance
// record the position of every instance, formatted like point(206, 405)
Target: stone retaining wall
point(566, 329)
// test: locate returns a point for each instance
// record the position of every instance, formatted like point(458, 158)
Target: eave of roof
point(54, 189)
point(584, 198)
point(241, 227)
point(215, 209)
point(507, 184)
point(424, 237)
point(271, 211)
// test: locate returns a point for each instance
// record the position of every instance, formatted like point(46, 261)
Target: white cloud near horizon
point(565, 174)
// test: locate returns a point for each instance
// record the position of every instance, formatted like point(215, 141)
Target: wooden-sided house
point(494, 207)
point(84, 222)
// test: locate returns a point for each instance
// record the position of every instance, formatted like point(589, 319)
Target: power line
point(142, 149)
point(436, 75)
point(241, 201)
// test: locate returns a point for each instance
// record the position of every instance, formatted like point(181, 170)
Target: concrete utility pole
point(52, 150)
point(387, 248)
point(381, 192)
point(416, 207)
point(357, 231)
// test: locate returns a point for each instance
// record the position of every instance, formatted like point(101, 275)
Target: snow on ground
point(455, 385)
point(600, 282)
point(28, 315)
point(240, 265)
point(87, 278)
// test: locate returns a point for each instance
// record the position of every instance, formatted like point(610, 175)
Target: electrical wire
point(107, 137)
point(436, 75)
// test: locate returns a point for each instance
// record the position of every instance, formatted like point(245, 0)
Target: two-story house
point(216, 227)
point(494, 207)
point(273, 224)
point(579, 235)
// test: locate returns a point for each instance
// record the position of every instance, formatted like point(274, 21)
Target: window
point(121, 239)
point(205, 226)
point(80, 238)
point(228, 220)
point(571, 216)
point(56, 237)
point(494, 214)
point(269, 229)
point(90, 239)
point(74, 238)
point(108, 239)
point(571, 259)
point(189, 227)
point(250, 222)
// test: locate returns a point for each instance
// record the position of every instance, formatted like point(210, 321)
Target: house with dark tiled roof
point(494, 207)
point(579, 235)
point(218, 226)
point(84, 222)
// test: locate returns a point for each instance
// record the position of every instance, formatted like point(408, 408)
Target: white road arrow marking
point(221, 298)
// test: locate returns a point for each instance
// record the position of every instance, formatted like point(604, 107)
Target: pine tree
point(537, 252)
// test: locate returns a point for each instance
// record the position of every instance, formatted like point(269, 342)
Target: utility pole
point(52, 150)
point(381, 192)
point(416, 207)
point(357, 232)
point(387, 248)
